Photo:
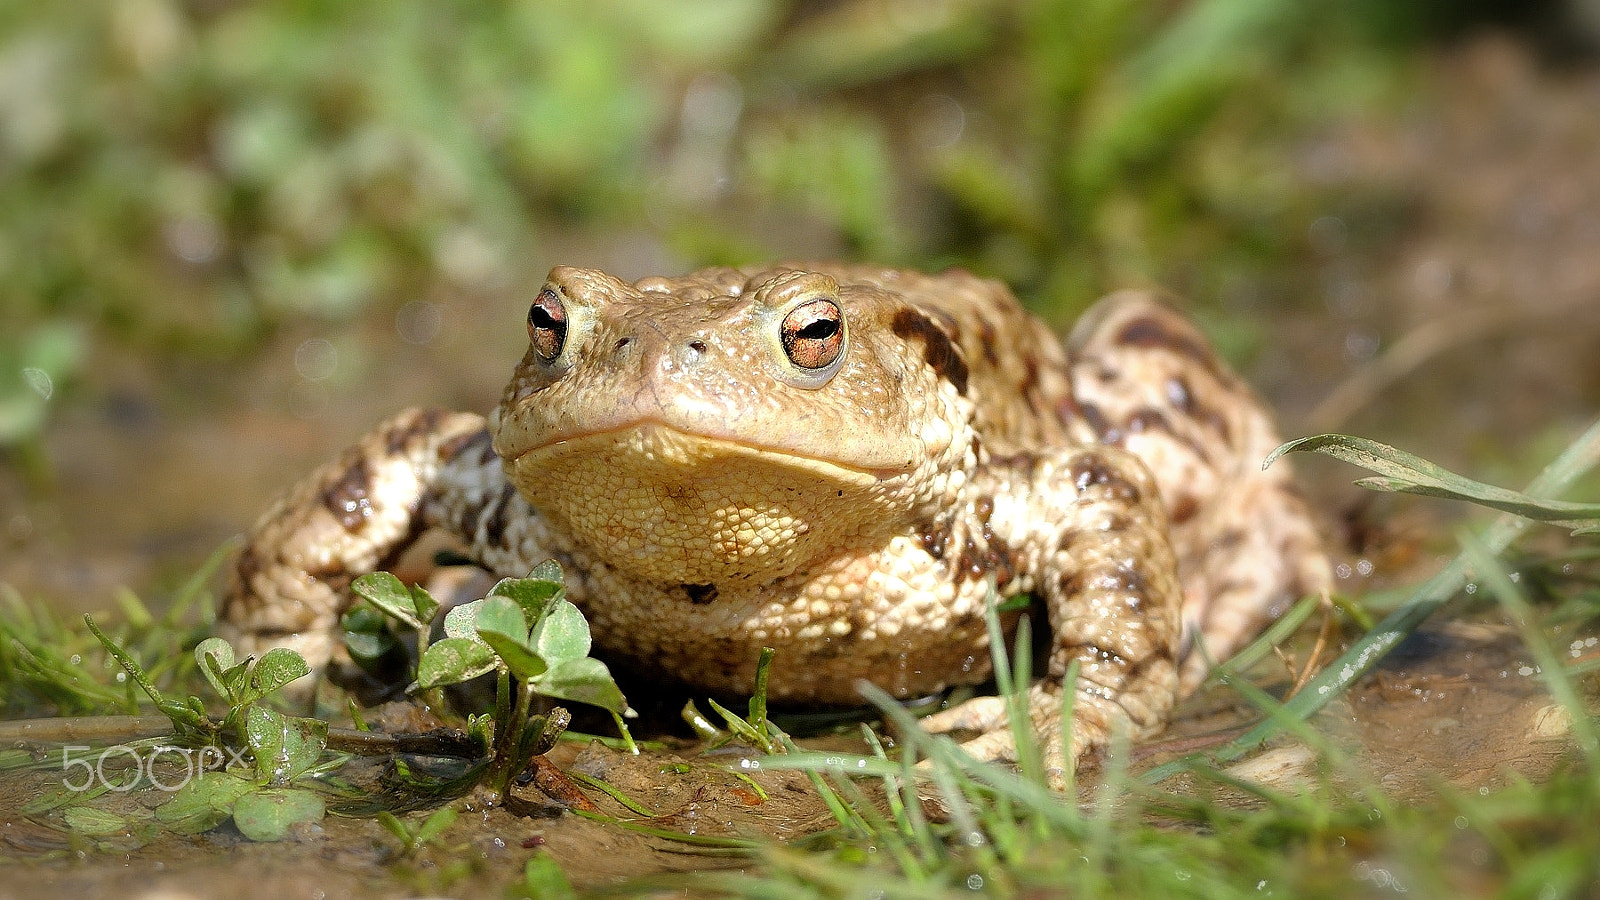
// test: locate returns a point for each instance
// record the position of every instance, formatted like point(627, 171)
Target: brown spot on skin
point(1124, 579)
point(426, 423)
point(1148, 419)
point(993, 558)
point(1070, 585)
point(350, 498)
point(494, 530)
point(1228, 540)
point(1154, 332)
point(478, 440)
point(938, 351)
point(1068, 538)
point(1100, 423)
point(934, 539)
point(1184, 508)
point(1089, 470)
point(700, 594)
point(247, 567)
point(986, 335)
point(1030, 376)
point(983, 509)
point(1022, 464)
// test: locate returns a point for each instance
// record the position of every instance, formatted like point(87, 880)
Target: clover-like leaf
point(501, 615)
point(534, 595)
point(267, 815)
point(562, 634)
point(88, 820)
point(454, 660)
point(284, 746)
point(462, 621)
point(426, 606)
point(523, 662)
point(204, 803)
point(548, 571)
point(390, 595)
point(365, 635)
point(501, 625)
point(215, 657)
point(277, 668)
point(584, 680)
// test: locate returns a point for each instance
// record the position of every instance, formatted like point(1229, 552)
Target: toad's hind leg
point(1145, 379)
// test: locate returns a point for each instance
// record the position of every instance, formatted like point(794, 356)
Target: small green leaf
point(584, 680)
point(268, 815)
point(392, 824)
point(215, 656)
point(284, 746)
point(532, 594)
point(277, 668)
point(94, 822)
point(203, 803)
point(435, 825)
point(549, 572)
point(562, 634)
point(454, 660)
point(390, 595)
point(426, 606)
point(522, 662)
point(502, 615)
point(462, 621)
point(543, 878)
point(367, 647)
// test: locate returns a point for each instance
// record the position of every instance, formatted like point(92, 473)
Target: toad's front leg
point(1090, 534)
point(290, 582)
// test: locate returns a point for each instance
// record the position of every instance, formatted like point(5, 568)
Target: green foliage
point(187, 177)
point(264, 803)
point(523, 626)
point(49, 666)
point(414, 839)
point(526, 632)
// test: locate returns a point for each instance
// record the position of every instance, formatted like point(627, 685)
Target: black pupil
point(818, 330)
point(539, 317)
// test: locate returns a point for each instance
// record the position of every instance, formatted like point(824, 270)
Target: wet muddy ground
point(1459, 317)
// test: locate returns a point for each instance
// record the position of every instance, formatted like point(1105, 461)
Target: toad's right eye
point(547, 325)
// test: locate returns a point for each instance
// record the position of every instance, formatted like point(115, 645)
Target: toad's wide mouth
point(655, 444)
point(679, 508)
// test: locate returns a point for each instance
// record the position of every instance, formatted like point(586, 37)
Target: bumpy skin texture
point(708, 494)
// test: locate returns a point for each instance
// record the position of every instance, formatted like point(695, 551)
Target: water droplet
point(39, 381)
point(419, 322)
point(316, 359)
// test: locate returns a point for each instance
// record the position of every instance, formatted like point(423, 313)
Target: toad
point(836, 461)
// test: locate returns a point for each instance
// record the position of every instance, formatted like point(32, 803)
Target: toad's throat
point(672, 507)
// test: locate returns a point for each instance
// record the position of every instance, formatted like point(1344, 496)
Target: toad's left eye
point(813, 334)
point(547, 325)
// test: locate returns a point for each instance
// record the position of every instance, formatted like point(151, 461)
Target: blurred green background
point(232, 233)
point(185, 177)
